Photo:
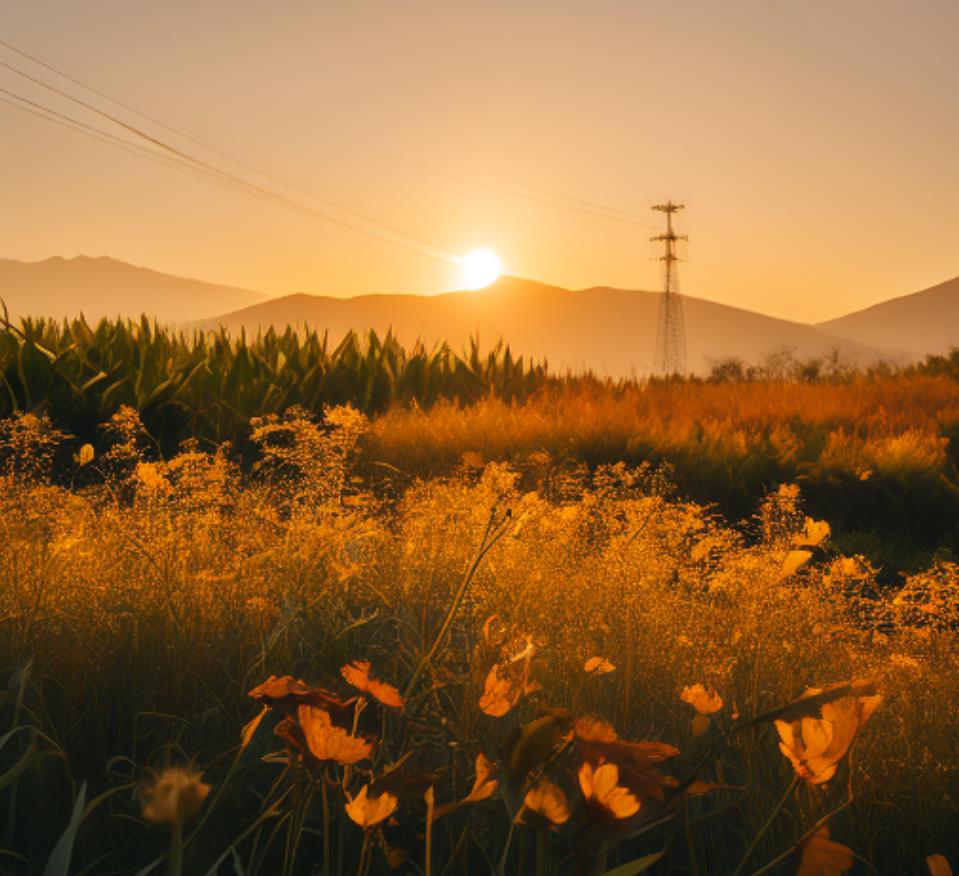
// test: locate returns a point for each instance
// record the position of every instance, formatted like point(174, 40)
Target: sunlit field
point(311, 658)
point(876, 454)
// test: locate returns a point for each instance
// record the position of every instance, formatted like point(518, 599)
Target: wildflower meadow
point(297, 667)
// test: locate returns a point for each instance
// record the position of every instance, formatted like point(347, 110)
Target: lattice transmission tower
point(671, 331)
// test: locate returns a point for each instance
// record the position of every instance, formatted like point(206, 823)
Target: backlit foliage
point(471, 670)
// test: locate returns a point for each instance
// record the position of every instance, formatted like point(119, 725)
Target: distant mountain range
point(100, 287)
point(611, 331)
point(923, 322)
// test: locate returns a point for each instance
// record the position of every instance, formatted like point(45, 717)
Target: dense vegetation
point(877, 454)
point(207, 385)
point(515, 717)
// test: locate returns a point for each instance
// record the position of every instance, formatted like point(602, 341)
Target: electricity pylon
point(671, 332)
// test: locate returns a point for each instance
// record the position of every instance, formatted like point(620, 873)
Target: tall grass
point(877, 456)
point(141, 606)
point(876, 453)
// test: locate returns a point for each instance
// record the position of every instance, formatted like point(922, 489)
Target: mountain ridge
point(602, 328)
point(927, 320)
point(101, 286)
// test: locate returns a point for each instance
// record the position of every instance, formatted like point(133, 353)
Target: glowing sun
point(480, 268)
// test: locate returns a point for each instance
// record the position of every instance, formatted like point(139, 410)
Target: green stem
point(429, 833)
point(690, 840)
point(780, 858)
point(501, 869)
point(176, 849)
point(364, 855)
point(490, 537)
point(326, 825)
point(762, 831)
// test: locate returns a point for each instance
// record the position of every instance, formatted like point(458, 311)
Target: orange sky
point(814, 143)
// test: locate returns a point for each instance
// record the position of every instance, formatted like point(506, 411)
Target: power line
point(581, 205)
point(43, 112)
point(552, 199)
point(412, 243)
point(246, 166)
point(51, 115)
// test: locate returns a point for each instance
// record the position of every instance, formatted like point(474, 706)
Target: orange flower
point(548, 801)
point(507, 683)
point(485, 784)
point(174, 796)
point(357, 673)
point(369, 811)
point(603, 793)
point(286, 692)
point(814, 533)
point(823, 857)
point(703, 700)
point(250, 728)
point(938, 866)
point(328, 742)
point(815, 746)
point(598, 666)
point(637, 761)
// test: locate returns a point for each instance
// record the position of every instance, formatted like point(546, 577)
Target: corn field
point(207, 385)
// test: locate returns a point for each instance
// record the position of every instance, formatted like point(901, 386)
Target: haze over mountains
point(923, 322)
point(611, 331)
point(102, 286)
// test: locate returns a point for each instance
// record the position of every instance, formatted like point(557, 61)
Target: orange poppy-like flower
point(821, 856)
point(592, 729)
point(286, 692)
point(814, 533)
point(327, 742)
point(507, 683)
point(604, 795)
point(369, 811)
point(250, 728)
point(548, 801)
point(357, 673)
point(485, 784)
point(598, 666)
point(637, 761)
point(815, 746)
point(174, 796)
point(938, 866)
point(704, 700)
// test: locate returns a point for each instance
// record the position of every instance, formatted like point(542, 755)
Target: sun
point(480, 268)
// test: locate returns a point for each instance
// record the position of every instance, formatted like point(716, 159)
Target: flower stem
point(492, 534)
point(326, 824)
point(501, 869)
point(176, 849)
point(762, 831)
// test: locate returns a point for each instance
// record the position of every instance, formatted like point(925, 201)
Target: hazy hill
point(103, 286)
point(611, 331)
point(925, 322)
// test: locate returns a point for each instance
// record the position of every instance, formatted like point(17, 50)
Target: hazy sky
point(815, 143)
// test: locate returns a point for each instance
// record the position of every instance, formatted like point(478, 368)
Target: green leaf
point(640, 865)
point(59, 863)
point(529, 746)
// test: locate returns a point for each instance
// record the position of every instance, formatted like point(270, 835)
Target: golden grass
point(152, 603)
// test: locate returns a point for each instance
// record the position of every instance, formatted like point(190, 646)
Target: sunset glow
point(481, 267)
